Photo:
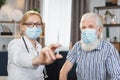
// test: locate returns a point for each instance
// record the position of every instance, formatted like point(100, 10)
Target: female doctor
point(26, 57)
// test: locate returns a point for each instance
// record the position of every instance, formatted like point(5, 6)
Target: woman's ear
point(22, 29)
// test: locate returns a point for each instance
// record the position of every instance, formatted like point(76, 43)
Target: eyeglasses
point(31, 25)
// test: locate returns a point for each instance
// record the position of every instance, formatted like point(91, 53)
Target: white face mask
point(88, 36)
point(33, 33)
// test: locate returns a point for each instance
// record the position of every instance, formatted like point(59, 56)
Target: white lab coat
point(20, 61)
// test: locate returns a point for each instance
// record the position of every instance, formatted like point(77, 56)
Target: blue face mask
point(33, 33)
point(88, 36)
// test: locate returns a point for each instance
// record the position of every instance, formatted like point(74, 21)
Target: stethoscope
point(44, 71)
point(25, 44)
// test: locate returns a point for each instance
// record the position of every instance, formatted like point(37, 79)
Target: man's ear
point(100, 29)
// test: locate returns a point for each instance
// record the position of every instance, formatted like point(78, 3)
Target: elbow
point(63, 72)
point(63, 75)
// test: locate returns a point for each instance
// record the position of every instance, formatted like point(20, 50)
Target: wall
point(114, 31)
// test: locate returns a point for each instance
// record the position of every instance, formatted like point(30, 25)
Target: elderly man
point(96, 59)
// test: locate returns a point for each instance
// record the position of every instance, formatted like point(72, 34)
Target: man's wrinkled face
point(88, 24)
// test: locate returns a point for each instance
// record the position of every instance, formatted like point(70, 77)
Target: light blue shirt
point(20, 61)
point(101, 63)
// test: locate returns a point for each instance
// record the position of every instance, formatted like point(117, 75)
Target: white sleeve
point(18, 55)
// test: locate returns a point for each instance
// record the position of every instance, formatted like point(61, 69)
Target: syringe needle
point(58, 51)
point(58, 42)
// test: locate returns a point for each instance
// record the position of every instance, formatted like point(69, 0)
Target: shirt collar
point(99, 47)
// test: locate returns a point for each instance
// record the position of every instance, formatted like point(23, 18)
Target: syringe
point(57, 43)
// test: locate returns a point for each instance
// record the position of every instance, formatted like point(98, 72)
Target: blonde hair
point(28, 14)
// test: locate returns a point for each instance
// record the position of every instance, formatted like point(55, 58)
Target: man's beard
point(91, 46)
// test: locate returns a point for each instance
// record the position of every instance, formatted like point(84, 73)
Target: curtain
point(57, 18)
point(79, 7)
point(32, 4)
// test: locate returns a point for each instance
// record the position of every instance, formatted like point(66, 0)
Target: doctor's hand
point(47, 55)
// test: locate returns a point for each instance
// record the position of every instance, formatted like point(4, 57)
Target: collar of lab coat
point(29, 44)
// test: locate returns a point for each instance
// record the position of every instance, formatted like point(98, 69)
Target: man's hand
point(47, 55)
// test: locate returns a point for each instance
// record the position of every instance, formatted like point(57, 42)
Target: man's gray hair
point(98, 18)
